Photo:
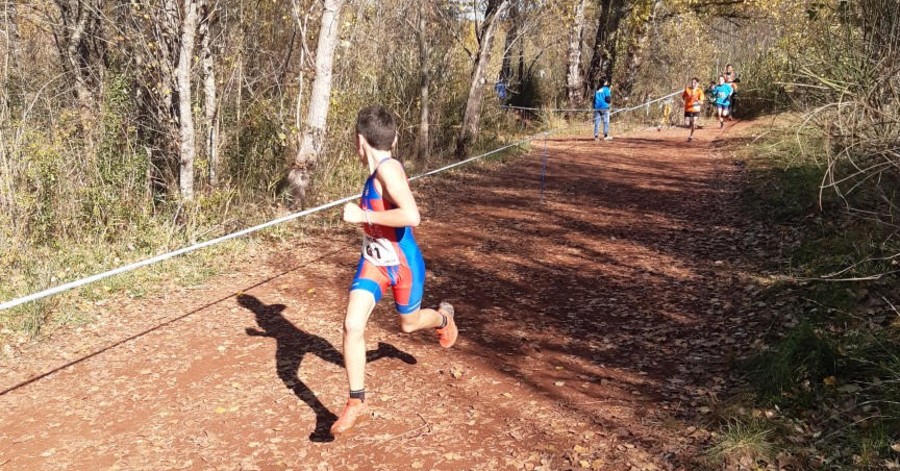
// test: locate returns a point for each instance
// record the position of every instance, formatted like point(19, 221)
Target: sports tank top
point(379, 240)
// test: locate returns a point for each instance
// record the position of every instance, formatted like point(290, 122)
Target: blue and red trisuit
point(390, 256)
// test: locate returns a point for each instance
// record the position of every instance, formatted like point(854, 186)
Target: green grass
point(795, 367)
point(46, 267)
point(743, 442)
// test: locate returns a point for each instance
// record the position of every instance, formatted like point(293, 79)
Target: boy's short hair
point(376, 124)
point(695, 79)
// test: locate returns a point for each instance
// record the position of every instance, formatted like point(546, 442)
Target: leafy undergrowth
point(823, 392)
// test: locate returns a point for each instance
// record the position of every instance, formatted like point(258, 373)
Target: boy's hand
point(354, 214)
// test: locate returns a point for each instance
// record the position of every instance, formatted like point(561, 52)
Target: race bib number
point(380, 252)
point(696, 107)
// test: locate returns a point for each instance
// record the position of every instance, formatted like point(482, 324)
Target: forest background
point(130, 128)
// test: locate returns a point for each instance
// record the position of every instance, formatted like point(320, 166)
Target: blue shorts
point(406, 280)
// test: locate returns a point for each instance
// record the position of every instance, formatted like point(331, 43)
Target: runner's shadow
point(293, 344)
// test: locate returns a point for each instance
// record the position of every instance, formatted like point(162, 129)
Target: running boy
point(693, 102)
point(390, 257)
point(722, 93)
point(731, 79)
point(602, 103)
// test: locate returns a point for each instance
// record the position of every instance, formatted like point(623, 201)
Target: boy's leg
point(606, 123)
point(596, 124)
point(359, 308)
point(408, 294)
point(420, 319)
point(442, 320)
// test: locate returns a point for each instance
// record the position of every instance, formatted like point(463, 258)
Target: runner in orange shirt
point(693, 102)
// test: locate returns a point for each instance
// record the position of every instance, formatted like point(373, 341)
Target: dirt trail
point(596, 329)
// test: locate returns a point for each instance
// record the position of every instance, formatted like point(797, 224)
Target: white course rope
point(571, 110)
point(162, 257)
point(166, 256)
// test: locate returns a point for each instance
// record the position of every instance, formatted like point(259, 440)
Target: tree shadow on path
point(293, 344)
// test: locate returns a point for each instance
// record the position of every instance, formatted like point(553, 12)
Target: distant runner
point(722, 94)
point(731, 79)
point(693, 102)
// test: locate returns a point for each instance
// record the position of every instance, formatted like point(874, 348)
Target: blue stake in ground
point(544, 168)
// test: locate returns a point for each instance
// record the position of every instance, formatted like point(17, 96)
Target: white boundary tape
point(166, 256)
point(570, 110)
point(162, 257)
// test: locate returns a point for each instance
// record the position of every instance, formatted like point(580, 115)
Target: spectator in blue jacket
point(602, 104)
point(502, 90)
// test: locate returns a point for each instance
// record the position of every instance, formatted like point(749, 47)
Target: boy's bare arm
point(396, 187)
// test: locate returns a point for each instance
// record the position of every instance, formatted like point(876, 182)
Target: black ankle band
point(443, 321)
point(361, 395)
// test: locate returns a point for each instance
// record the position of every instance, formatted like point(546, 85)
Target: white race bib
point(379, 251)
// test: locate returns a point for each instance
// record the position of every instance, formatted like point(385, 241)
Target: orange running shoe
point(447, 334)
point(355, 411)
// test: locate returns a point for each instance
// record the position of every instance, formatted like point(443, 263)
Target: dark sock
point(443, 321)
point(361, 395)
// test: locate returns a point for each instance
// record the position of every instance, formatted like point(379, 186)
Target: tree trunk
point(509, 47)
point(9, 60)
point(423, 137)
point(76, 19)
point(634, 56)
point(612, 12)
point(312, 140)
point(574, 87)
point(11, 20)
point(210, 93)
point(85, 97)
point(185, 114)
point(168, 46)
point(469, 130)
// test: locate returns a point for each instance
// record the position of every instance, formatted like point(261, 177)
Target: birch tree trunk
point(312, 139)
point(423, 138)
point(185, 114)
point(634, 56)
point(210, 94)
point(469, 130)
point(574, 86)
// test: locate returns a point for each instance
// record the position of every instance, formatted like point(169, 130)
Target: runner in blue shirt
point(723, 92)
point(602, 104)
